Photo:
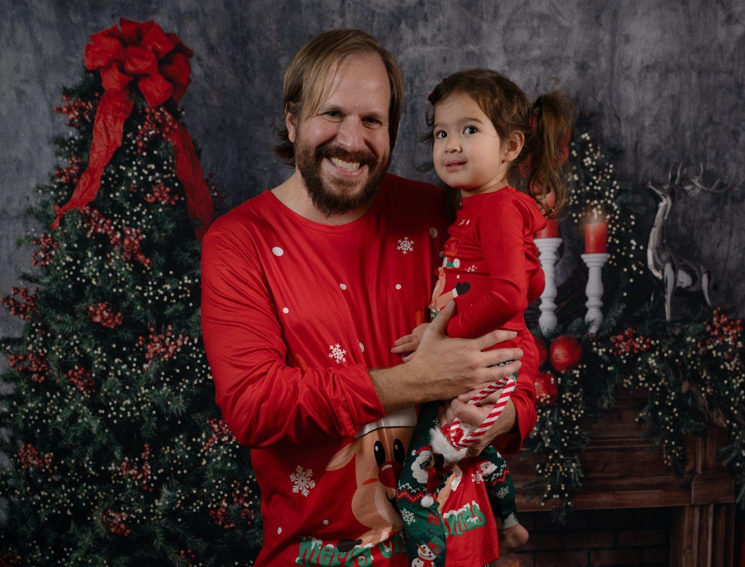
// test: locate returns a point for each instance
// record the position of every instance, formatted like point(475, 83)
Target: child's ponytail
point(550, 122)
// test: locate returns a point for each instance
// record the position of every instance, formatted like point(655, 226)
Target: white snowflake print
point(302, 481)
point(477, 478)
point(405, 245)
point(337, 353)
point(471, 268)
point(502, 492)
point(408, 517)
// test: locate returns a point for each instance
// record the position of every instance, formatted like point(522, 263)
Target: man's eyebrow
point(329, 108)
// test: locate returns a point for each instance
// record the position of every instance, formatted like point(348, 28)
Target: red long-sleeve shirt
point(491, 259)
point(293, 314)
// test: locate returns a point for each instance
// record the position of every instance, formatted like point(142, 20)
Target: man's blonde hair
point(309, 76)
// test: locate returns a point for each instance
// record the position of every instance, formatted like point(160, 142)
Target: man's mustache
point(362, 157)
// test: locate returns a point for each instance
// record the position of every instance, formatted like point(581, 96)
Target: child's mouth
point(454, 165)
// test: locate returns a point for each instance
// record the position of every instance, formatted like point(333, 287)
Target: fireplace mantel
point(623, 471)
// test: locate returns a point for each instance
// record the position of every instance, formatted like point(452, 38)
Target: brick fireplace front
point(598, 538)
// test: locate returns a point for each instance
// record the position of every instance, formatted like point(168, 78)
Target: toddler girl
point(487, 138)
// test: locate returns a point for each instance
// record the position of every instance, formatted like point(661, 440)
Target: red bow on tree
point(157, 63)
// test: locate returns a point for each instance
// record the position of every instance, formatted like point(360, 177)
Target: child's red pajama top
point(492, 259)
point(294, 313)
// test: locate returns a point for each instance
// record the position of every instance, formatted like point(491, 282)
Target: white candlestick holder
point(548, 248)
point(594, 289)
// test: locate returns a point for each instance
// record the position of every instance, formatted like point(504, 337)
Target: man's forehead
point(359, 80)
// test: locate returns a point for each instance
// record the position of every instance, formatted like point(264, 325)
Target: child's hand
point(409, 343)
point(475, 415)
point(448, 414)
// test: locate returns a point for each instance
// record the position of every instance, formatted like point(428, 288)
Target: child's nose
point(452, 147)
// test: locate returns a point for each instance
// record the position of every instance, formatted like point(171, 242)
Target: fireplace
point(632, 509)
point(639, 536)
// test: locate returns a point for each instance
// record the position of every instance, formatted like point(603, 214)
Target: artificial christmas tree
point(118, 452)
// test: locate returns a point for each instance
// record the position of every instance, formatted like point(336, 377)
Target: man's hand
point(408, 344)
point(442, 368)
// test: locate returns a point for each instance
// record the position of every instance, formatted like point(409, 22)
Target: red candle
point(551, 230)
point(596, 235)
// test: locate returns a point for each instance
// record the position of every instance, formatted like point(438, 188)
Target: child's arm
point(501, 234)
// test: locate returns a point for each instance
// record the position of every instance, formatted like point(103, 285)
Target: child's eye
point(470, 130)
point(440, 134)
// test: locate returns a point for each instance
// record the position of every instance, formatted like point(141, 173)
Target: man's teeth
point(348, 165)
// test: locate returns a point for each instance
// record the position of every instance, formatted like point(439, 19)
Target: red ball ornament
point(566, 352)
point(546, 388)
point(542, 351)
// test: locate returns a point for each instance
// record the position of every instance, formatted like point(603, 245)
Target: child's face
point(467, 152)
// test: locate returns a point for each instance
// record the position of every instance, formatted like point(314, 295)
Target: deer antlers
point(694, 184)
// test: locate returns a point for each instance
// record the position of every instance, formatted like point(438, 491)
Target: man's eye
point(372, 121)
point(332, 114)
point(470, 130)
point(440, 134)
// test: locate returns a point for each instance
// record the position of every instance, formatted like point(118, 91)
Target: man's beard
point(327, 201)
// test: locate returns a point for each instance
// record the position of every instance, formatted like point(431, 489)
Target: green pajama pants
point(424, 527)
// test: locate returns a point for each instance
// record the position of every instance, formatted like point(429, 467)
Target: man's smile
point(348, 169)
point(346, 165)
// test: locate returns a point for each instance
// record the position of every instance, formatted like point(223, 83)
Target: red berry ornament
point(566, 352)
point(546, 388)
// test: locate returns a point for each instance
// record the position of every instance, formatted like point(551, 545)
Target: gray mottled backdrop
point(665, 78)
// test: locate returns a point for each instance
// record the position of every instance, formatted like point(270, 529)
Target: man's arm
point(264, 401)
point(442, 368)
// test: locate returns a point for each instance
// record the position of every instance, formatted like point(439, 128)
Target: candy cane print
point(490, 389)
point(457, 437)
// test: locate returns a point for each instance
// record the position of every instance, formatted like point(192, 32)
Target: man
point(305, 289)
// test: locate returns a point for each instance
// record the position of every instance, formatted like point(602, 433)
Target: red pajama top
point(492, 272)
point(294, 313)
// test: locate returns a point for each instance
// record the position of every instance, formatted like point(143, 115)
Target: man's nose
point(351, 135)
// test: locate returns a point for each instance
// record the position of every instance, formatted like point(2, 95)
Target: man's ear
point(290, 124)
point(513, 145)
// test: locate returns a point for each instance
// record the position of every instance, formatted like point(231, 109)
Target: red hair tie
point(432, 94)
point(533, 120)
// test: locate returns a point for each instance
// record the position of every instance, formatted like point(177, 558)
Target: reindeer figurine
point(673, 270)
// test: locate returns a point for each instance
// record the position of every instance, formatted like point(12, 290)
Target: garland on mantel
point(691, 368)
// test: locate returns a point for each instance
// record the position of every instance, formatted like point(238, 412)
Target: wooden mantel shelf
point(623, 471)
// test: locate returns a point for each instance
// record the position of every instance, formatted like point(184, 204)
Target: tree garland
point(692, 369)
